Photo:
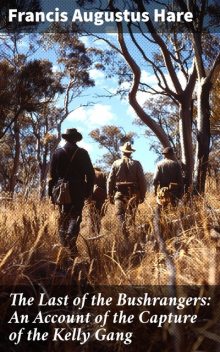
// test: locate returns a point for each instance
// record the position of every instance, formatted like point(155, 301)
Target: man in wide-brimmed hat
point(168, 177)
point(126, 181)
point(74, 165)
point(72, 134)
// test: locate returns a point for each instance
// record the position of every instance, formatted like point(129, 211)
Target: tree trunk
point(185, 130)
point(203, 136)
point(13, 178)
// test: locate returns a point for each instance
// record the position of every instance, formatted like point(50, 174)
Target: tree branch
point(156, 67)
point(133, 92)
point(165, 52)
point(10, 124)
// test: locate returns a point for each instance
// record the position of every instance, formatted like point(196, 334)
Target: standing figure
point(126, 181)
point(99, 190)
point(168, 180)
point(98, 198)
point(74, 165)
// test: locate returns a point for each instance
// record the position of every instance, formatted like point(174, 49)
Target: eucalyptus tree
point(178, 59)
point(110, 138)
point(207, 61)
point(25, 87)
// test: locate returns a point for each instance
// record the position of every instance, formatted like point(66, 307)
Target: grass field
point(181, 246)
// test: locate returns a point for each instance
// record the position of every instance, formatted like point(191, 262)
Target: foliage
point(29, 92)
point(111, 138)
point(27, 86)
point(22, 6)
point(165, 112)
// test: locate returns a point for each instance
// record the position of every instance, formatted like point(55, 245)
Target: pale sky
point(105, 111)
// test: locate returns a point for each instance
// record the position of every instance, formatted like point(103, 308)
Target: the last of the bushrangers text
point(122, 299)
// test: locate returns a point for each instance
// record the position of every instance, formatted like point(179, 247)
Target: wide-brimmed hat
point(73, 134)
point(168, 150)
point(127, 148)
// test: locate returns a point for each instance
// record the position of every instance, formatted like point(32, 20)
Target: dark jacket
point(79, 172)
point(99, 191)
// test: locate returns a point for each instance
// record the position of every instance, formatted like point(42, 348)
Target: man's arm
point(52, 174)
point(90, 175)
point(111, 184)
point(156, 179)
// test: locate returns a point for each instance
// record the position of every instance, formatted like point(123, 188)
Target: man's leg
point(120, 208)
point(95, 216)
point(131, 210)
point(73, 231)
point(62, 224)
point(69, 226)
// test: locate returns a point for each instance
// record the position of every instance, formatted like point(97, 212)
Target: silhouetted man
point(74, 165)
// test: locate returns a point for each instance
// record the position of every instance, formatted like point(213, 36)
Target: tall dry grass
point(179, 246)
point(187, 247)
